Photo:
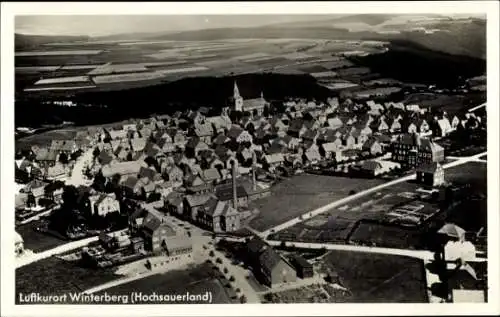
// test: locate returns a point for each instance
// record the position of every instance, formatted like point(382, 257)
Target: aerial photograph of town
point(335, 158)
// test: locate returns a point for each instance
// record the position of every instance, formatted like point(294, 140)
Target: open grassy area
point(472, 213)
point(56, 276)
point(38, 241)
point(377, 278)
point(304, 193)
point(340, 225)
point(195, 280)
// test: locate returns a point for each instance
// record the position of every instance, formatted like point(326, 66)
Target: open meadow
point(195, 280)
point(378, 278)
point(303, 193)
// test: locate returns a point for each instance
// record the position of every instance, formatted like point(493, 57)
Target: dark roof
point(147, 172)
point(151, 223)
point(235, 131)
point(256, 245)
point(269, 259)
point(225, 192)
point(300, 261)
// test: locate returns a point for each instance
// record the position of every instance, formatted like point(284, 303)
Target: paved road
point(343, 201)
point(28, 259)
point(421, 254)
point(77, 178)
point(173, 265)
point(240, 275)
point(33, 257)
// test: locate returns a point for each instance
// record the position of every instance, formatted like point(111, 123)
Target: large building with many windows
point(411, 151)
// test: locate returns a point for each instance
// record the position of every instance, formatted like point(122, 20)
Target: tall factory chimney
point(235, 194)
point(254, 162)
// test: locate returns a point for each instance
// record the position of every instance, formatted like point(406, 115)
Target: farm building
point(302, 266)
point(268, 265)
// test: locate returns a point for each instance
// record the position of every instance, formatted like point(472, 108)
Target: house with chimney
point(218, 216)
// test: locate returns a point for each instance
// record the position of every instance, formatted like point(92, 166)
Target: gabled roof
point(221, 139)
point(269, 259)
point(256, 245)
point(204, 129)
point(235, 131)
point(211, 174)
point(369, 143)
point(197, 200)
point(274, 158)
point(330, 147)
point(121, 168)
point(105, 157)
point(138, 144)
point(428, 145)
point(147, 172)
point(225, 192)
point(371, 165)
point(151, 223)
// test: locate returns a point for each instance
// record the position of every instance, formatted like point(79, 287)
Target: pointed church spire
point(261, 94)
point(236, 92)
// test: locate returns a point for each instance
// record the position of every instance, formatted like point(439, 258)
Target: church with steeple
point(254, 106)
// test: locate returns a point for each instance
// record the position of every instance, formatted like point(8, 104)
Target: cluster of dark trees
point(211, 92)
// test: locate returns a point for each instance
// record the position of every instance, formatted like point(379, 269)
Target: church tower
point(238, 100)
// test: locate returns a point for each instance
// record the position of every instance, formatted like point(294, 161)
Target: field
point(392, 217)
point(221, 57)
point(377, 278)
point(376, 92)
point(316, 293)
point(37, 241)
point(56, 276)
point(341, 224)
point(450, 103)
point(471, 214)
point(195, 280)
point(301, 194)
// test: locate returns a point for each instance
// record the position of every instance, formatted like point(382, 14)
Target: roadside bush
point(231, 279)
point(218, 260)
point(211, 253)
point(243, 299)
point(226, 270)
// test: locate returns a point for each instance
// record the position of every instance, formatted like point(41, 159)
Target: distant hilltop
point(453, 35)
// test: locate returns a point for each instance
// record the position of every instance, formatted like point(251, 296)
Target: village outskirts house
point(430, 174)
point(268, 265)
